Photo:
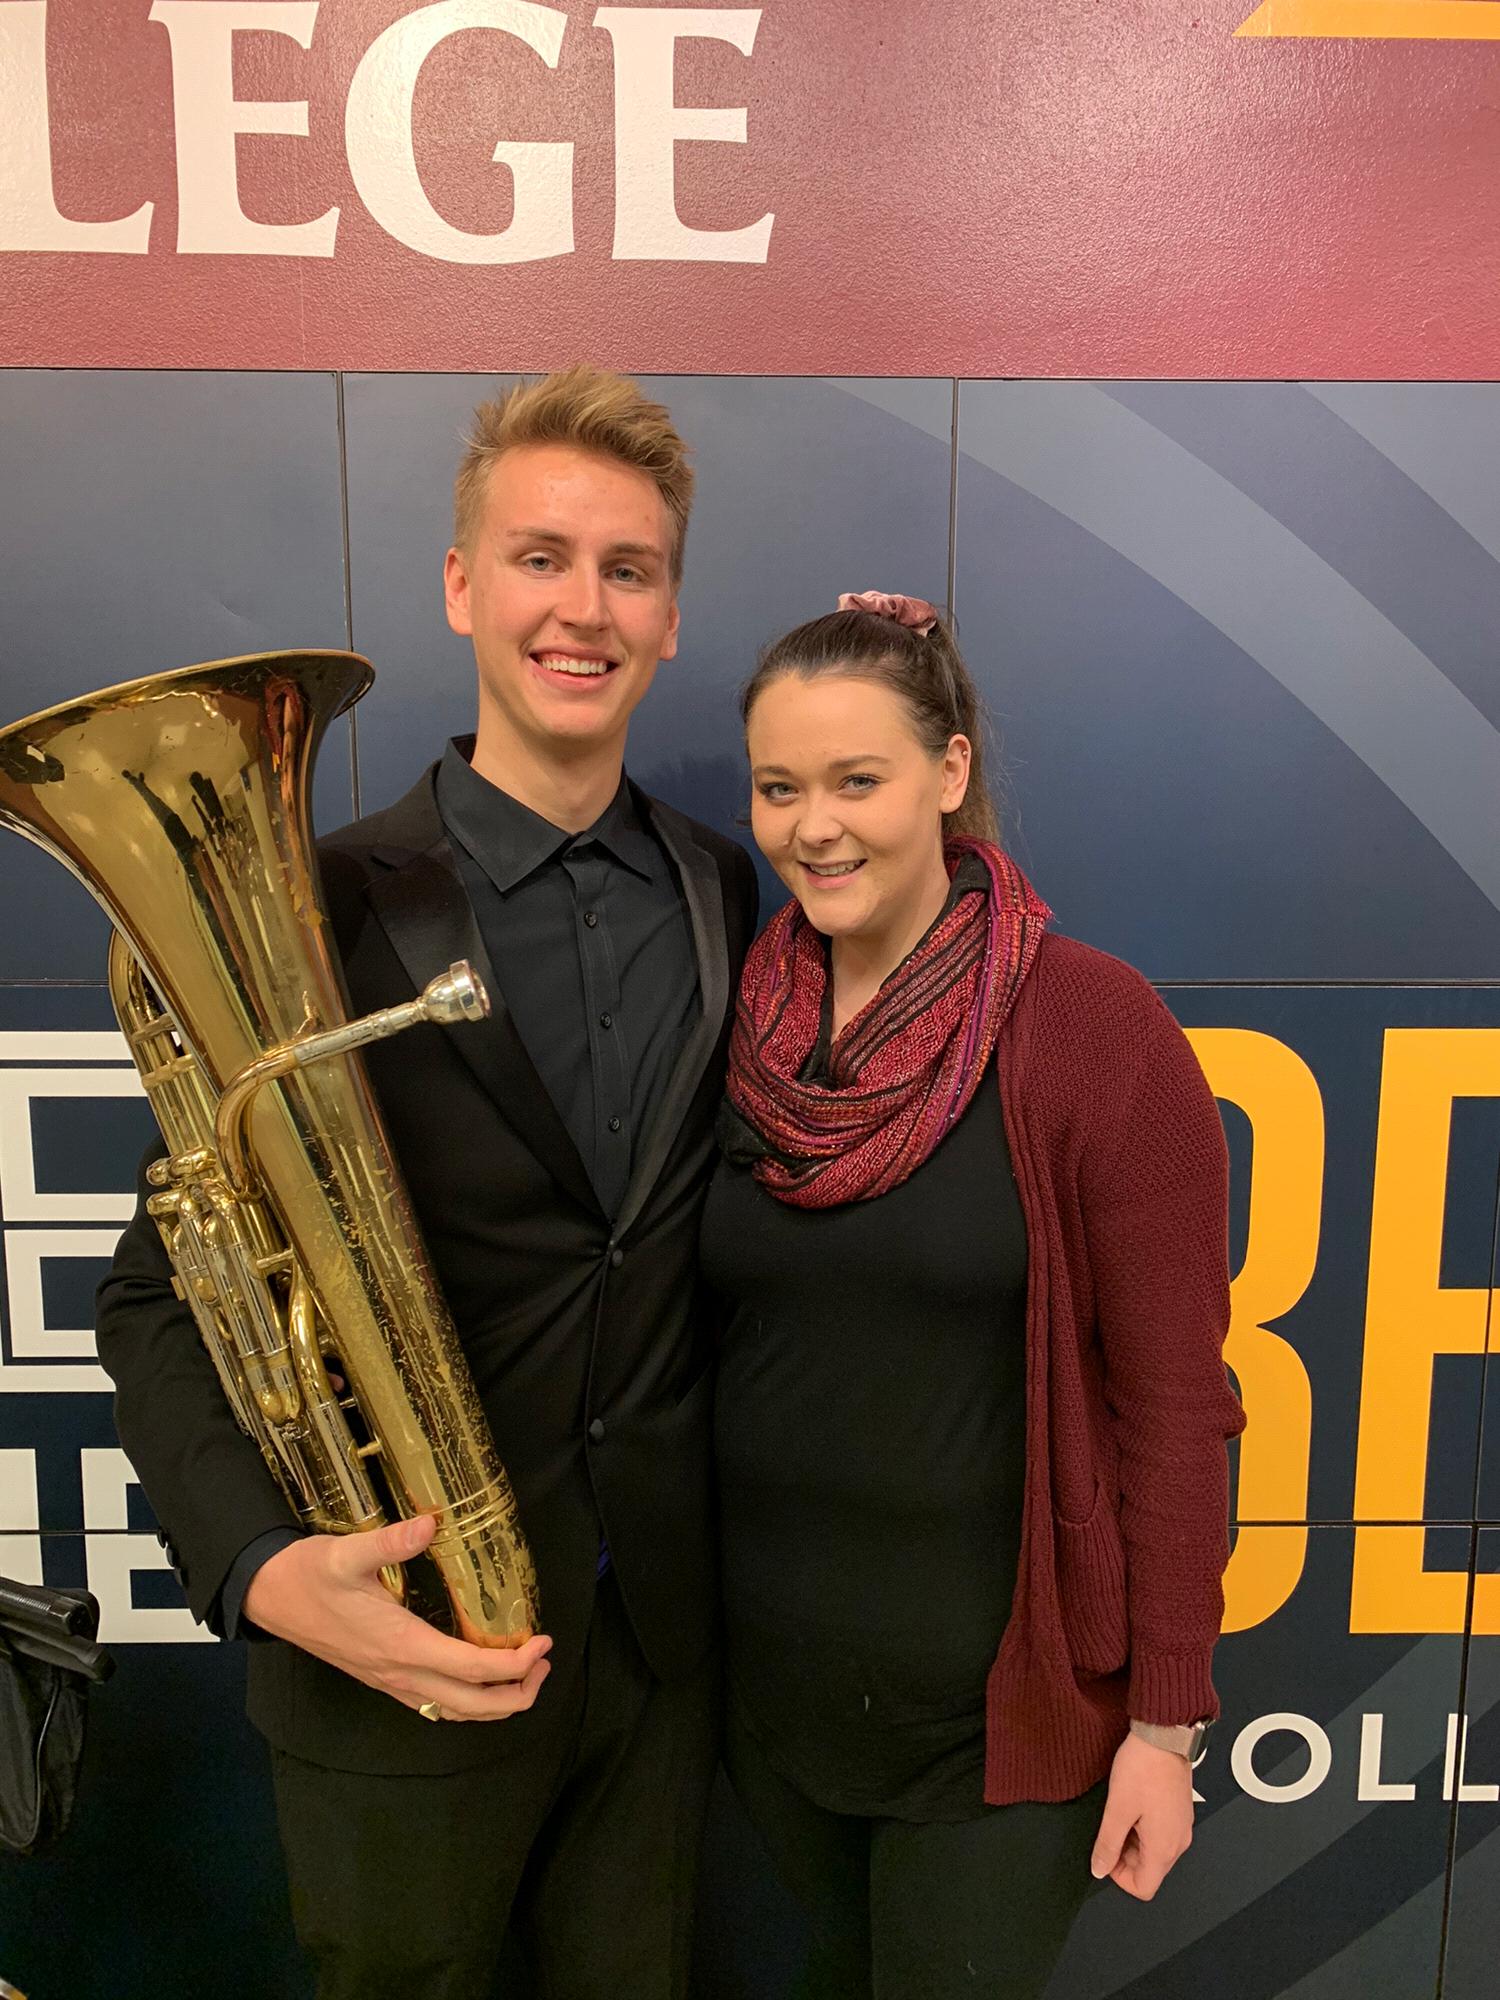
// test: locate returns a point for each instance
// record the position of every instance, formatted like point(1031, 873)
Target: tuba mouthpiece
point(456, 995)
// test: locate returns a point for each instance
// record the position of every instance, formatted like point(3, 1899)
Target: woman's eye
point(774, 791)
point(861, 781)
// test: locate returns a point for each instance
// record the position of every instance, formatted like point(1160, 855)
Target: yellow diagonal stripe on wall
point(1383, 20)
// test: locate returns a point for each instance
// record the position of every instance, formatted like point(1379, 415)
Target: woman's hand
point(1148, 1817)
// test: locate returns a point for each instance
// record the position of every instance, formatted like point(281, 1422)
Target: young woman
point(969, 1240)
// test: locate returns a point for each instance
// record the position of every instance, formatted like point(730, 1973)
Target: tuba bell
point(181, 802)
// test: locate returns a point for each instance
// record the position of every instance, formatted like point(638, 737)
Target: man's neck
point(570, 792)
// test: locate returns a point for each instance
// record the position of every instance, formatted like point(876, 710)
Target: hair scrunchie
point(913, 612)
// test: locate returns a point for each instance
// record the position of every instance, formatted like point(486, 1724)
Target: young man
point(430, 1791)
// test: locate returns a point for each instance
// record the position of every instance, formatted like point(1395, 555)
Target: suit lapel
point(703, 891)
point(418, 899)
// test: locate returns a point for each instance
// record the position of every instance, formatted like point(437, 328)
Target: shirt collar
point(510, 841)
point(622, 832)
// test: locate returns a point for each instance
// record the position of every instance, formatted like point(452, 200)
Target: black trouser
point(587, 1843)
point(978, 1908)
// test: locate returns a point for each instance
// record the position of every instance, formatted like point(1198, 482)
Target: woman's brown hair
point(927, 673)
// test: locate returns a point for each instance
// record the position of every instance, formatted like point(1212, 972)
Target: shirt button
point(614, 1124)
point(591, 917)
point(596, 1430)
point(606, 1020)
point(616, 1259)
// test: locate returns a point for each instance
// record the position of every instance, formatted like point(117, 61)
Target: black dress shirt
point(591, 944)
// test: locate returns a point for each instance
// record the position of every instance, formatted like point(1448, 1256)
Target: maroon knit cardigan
point(1120, 1161)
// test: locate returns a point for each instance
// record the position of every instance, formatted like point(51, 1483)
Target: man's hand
point(1148, 1818)
point(324, 1594)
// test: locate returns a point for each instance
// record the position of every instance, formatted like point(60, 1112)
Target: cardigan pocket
point(1091, 1588)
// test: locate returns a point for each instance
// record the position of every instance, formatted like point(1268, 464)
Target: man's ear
point(674, 619)
point(456, 592)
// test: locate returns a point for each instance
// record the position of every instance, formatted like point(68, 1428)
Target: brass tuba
point(181, 802)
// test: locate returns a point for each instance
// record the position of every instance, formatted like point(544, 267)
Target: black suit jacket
point(587, 1341)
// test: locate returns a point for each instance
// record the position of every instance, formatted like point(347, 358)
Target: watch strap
point(1183, 1739)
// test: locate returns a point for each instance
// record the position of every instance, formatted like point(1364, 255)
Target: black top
point(590, 941)
point(870, 1428)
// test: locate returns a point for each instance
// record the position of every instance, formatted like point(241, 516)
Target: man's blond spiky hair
point(592, 410)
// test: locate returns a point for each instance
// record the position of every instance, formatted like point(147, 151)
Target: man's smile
point(575, 666)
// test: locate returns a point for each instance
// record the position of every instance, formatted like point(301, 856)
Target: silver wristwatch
point(1183, 1739)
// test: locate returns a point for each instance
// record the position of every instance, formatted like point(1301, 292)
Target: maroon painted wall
point(1044, 187)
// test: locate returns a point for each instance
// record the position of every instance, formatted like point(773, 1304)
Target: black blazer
point(588, 1344)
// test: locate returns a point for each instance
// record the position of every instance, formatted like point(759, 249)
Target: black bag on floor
point(48, 1657)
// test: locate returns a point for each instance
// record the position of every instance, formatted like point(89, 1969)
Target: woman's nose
point(818, 824)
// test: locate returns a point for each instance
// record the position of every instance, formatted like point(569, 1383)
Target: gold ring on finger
point(431, 1710)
